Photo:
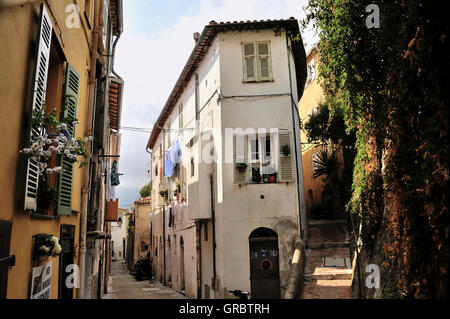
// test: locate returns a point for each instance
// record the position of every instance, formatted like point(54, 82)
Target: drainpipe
point(88, 132)
point(213, 219)
point(120, 29)
point(199, 257)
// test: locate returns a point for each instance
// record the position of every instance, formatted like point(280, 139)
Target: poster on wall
point(41, 281)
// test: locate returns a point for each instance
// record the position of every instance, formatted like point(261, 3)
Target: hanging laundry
point(172, 159)
point(168, 165)
point(114, 174)
point(112, 202)
point(110, 189)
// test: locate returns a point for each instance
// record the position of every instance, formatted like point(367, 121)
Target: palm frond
point(326, 164)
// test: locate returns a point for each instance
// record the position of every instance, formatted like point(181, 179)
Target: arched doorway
point(182, 283)
point(264, 264)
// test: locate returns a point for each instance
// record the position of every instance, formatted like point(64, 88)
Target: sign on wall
point(41, 282)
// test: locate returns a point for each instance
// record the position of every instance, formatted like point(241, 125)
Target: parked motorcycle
point(142, 269)
point(242, 294)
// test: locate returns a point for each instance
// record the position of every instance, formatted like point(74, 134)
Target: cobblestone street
point(122, 285)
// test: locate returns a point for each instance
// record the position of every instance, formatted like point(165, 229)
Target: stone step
point(327, 289)
point(328, 274)
point(326, 245)
point(325, 231)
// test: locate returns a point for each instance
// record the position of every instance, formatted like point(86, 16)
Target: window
point(314, 110)
point(314, 159)
point(311, 70)
point(56, 84)
point(180, 117)
point(257, 63)
point(105, 23)
point(192, 167)
point(263, 158)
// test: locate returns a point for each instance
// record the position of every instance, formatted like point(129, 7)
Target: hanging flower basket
point(55, 139)
point(46, 246)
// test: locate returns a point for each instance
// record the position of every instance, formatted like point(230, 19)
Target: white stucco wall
point(239, 209)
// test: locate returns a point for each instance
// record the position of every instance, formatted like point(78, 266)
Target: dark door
point(264, 264)
point(66, 258)
point(5, 239)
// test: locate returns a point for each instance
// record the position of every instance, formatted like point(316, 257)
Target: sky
point(150, 55)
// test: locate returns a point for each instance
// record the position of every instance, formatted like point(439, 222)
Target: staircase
point(328, 269)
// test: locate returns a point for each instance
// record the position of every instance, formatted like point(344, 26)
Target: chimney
point(196, 37)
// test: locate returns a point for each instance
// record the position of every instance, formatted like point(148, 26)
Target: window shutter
point(70, 96)
point(38, 100)
point(240, 156)
point(286, 161)
point(313, 70)
point(184, 182)
point(249, 62)
point(265, 68)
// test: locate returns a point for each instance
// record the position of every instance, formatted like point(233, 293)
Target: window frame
point(257, 78)
point(261, 150)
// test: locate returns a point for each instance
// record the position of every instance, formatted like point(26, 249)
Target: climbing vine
point(390, 82)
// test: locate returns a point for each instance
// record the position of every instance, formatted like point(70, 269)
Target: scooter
point(143, 269)
point(242, 294)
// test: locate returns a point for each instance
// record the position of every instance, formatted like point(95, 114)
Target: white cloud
point(151, 62)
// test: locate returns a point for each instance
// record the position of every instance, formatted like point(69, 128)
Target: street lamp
point(119, 224)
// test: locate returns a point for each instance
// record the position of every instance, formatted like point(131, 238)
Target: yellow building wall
point(18, 31)
point(312, 97)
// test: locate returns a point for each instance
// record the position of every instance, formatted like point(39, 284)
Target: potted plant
point(273, 178)
point(47, 197)
point(47, 246)
point(164, 193)
point(55, 140)
point(286, 150)
point(241, 167)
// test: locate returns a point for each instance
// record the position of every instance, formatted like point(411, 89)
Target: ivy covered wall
point(392, 83)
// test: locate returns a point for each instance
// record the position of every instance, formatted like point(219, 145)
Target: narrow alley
point(122, 285)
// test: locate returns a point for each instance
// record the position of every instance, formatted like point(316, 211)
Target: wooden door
point(264, 267)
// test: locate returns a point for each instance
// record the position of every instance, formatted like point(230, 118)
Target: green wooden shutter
point(249, 62)
point(286, 161)
point(264, 61)
point(239, 156)
point(39, 87)
point(70, 97)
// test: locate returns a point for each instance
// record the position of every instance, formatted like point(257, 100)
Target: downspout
point(213, 219)
point(88, 132)
point(199, 258)
point(120, 30)
point(300, 224)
